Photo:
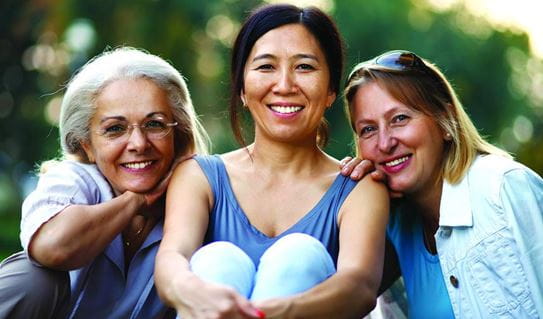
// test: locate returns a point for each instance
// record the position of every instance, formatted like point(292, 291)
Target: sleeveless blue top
point(228, 222)
point(427, 296)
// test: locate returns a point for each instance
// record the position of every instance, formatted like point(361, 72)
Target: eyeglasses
point(398, 60)
point(153, 129)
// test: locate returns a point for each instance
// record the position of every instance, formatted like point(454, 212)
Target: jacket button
point(454, 281)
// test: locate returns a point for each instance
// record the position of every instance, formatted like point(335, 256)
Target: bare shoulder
point(188, 172)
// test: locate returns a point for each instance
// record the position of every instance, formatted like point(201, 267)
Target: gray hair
point(78, 105)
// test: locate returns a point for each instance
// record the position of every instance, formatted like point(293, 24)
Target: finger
point(378, 176)
point(362, 169)
point(347, 169)
point(248, 309)
point(394, 194)
point(344, 161)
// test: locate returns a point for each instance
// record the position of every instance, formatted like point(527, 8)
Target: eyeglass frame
point(130, 129)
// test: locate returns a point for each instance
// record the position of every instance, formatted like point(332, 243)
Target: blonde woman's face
point(407, 145)
point(135, 162)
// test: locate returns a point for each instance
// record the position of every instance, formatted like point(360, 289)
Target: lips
point(397, 164)
point(286, 109)
point(137, 165)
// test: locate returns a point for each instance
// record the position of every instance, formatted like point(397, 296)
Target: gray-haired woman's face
point(126, 141)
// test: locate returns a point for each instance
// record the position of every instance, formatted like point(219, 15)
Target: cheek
point(365, 149)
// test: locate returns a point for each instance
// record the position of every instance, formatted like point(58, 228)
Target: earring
point(448, 136)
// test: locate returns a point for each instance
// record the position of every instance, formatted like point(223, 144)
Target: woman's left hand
point(275, 308)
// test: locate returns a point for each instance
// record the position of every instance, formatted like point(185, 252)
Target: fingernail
point(260, 313)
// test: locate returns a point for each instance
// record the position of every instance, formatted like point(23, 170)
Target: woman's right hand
point(210, 300)
point(356, 168)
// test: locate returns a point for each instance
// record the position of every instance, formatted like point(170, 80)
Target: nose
point(286, 82)
point(137, 140)
point(387, 142)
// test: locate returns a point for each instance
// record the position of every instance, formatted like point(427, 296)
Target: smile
point(286, 109)
point(397, 161)
point(138, 165)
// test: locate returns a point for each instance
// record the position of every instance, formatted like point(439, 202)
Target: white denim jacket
point(490, 241)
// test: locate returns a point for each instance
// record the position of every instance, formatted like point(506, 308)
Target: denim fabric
point(490, 241)
point(293, 264)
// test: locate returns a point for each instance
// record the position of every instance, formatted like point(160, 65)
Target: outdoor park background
point(481, 45)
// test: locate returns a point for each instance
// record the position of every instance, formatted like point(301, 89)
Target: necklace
point(127, 242)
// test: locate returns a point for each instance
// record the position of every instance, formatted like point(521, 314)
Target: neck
point(427, 203)
point(288, 158)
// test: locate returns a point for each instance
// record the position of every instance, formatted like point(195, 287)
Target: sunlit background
point(490, 49)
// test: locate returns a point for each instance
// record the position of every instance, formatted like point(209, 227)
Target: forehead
point(132, 97)
point(290, 38)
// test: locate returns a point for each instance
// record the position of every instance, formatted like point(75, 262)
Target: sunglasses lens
point(397, 60)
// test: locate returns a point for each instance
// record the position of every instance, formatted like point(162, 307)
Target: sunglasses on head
point(398, 60)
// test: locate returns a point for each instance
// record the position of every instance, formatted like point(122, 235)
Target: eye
point(400, 118)
point(367, 131)
point(264, 67)
point(114, 129)
point(154, 125)
point(305, 67)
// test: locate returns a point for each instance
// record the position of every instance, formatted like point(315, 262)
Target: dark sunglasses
point(398, 60)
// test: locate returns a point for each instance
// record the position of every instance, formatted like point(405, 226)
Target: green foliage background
point(42, 42)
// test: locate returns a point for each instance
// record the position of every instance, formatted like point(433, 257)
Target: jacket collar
point(455, 206)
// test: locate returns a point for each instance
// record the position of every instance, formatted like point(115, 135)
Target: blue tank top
point(427, 296)
point(228, 222)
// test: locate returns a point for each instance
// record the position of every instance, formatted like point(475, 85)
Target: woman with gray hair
point(126, 120)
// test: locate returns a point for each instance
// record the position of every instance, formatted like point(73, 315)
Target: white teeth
point(397, 161)
point(286, 109)
point(138, 165)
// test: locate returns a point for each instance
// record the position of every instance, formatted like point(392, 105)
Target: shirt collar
point(455, 206)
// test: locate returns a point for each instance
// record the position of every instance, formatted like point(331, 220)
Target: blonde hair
point(431, 93)
point(78, 104)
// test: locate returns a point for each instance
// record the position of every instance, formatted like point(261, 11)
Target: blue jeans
point(293, 264)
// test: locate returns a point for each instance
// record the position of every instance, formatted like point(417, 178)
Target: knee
point(222, 256)
point(297, 253)
point(25, 283)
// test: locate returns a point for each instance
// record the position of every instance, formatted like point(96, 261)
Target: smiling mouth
point(137, 165)
point(286, 109)
point(397, 161)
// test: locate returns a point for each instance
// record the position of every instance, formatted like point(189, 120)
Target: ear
point(88, 151)
point(242, 97)
point(330, 99)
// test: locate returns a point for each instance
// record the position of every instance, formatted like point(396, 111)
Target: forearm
point(344, 295)
point(171, 272)
point(79, 233)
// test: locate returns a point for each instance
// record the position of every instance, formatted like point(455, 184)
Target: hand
point(217, 301)
point(275, 308)
point(357, 168)
point(158, 191)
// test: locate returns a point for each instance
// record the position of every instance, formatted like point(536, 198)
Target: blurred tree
point(43, 42)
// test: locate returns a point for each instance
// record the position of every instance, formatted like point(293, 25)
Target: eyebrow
point(296, 57)
point(122, 118)
point(387, 114)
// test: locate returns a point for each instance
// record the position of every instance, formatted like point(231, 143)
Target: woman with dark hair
point(284, 234)
point(466, 228)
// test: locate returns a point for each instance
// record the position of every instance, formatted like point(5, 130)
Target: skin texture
point(277, 180)
point(131, 101)
point(389, 130)
point(136, 209)
point(279, 59)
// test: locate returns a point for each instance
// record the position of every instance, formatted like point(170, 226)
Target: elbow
point(50, 254)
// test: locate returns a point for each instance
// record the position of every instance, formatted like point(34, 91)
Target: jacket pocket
point(498, 277)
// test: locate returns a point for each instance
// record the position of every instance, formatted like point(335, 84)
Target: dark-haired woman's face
point(287, 84)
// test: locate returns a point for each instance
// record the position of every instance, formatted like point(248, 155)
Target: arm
point(77, 234)
point(521, 197)
point(67, 194)
point(352, 290)
point(188, 203)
